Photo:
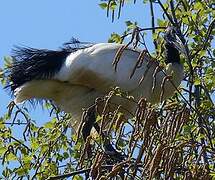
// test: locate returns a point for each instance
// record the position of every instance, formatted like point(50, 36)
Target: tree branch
point(153, 21)
point(77, 172)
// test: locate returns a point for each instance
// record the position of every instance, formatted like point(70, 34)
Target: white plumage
point(74, 79)
point(89, 73)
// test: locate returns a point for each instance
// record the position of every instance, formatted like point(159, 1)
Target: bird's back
point(92, 67)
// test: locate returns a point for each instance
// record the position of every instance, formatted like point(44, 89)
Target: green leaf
point(11, 157)
point(130, 25)
point(50, 124)
point(185, 20)
point(27, 159)
point(103, 5)
point(161, 23)
point(165, 5)
point(1, 73)
point(7, 172)
point(198, 6)
point(98, 118)
point(2, 150)
point(2, 125)
point(197, 82)
point(22, 171)
point(65, 155)
point(115, 38)
point(8, 60)
point(77, 177)
point(44, 148)
point(34, 143)
point(113, 5)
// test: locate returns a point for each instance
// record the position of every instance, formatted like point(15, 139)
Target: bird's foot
point(112, 152)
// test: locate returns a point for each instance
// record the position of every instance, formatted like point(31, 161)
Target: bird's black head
point(173, 37)
point(173, 45)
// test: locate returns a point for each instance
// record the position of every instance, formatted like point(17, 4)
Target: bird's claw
point(113, 153)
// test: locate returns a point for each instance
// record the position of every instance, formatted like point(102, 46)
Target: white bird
point(74, 77)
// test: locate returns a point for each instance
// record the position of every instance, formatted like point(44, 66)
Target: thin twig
point(153, 22)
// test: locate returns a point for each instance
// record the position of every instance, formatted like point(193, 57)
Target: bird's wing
point(92, 67)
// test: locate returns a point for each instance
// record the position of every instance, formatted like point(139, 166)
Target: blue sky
point(48, 24)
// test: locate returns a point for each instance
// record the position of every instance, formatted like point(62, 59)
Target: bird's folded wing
point(92, 67)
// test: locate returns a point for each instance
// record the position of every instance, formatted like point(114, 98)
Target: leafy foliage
point(175, 140)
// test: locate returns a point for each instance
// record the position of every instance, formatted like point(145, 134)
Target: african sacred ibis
point(74, 77)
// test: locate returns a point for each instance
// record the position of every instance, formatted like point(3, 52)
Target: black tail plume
point(29, 64)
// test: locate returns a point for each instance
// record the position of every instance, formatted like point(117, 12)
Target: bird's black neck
point(172, 54)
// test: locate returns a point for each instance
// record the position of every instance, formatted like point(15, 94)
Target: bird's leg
point(109, 149)
point(90, 121)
